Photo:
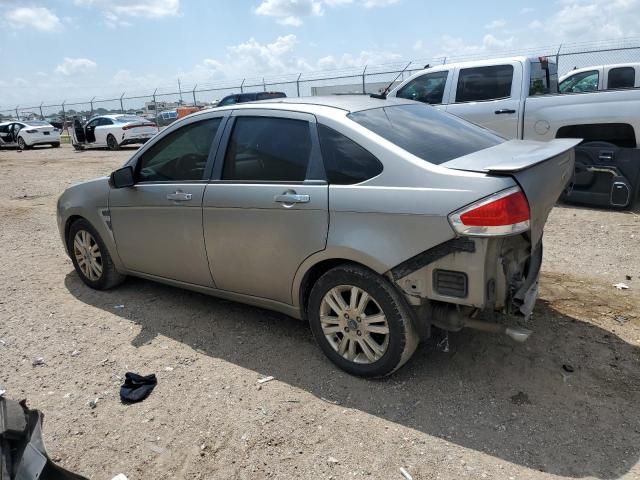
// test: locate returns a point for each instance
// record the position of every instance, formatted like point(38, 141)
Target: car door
point(103, 127)
point(157, 223)
point(489, 96)
point(90, 130)
point(6, 134)
point(266, 208)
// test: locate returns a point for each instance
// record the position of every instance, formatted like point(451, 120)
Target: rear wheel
point(22, 145)
point(112, 143)
point(55, 145)
point(361, 322)
point(91, 258)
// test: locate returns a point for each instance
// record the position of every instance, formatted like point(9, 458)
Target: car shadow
point(566, 402)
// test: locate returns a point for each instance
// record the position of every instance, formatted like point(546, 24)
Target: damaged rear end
point(494, 261)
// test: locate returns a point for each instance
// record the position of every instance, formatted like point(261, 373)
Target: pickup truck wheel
point(361, 322)
point(112, 143)
point(91, 258)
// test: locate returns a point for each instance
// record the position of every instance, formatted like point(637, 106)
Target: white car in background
point(112, 131)
point(601, 77)
point(26, 134)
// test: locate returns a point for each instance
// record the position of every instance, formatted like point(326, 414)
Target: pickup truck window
point(428, 88)
point(581, 82)
point(484, 83)
point(544, 78)
point(622, 77)
point(424, 131)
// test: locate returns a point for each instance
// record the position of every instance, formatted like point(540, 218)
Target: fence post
point(298, 83)
point(195, 103)
point(91, 102)
point(364, 87)
point(242, 86)
point(64, 118)
point(17, 114)
point(155, 105)
point(41, 115)
point(121, 105)
point(180, 91)
point(558, 56)
point(264, 85)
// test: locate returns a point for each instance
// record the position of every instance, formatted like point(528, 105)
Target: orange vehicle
point(184, 111)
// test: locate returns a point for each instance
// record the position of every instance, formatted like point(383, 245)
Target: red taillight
point(504, 213)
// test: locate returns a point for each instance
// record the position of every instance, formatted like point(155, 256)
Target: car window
point(181, 155)
point(227, 101)
point(268, 149)
point(580, 82)
point(268, 95)
point(94, 123)
point(5, 128)
point(104, 122)
point(427, 133)
point(622, 77)
point(428, 88)
point(346, 162)
point(484, 83)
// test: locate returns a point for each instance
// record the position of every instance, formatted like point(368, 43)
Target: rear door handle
point(292, 198)
point(179, 197)
point(504, 110)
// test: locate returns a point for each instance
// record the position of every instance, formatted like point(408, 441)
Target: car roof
point(348, 103)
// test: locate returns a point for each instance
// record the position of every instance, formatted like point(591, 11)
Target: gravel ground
point(489, 408)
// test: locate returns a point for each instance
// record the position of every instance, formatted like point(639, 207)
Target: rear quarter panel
point(545, 115)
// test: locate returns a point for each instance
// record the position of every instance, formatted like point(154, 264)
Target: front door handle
point(504, 110)
point(291, 198)
point(179, 197)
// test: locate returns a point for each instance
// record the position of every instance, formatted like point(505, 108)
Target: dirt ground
point(490, 408)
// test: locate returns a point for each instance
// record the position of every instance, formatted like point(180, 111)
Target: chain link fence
point(365, 79)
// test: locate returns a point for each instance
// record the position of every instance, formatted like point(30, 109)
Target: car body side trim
point(460, 244)
point(260, 302)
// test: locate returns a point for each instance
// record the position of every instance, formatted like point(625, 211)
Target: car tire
point(86, 246)
point(379, 340)
point(22, 145)
point(112, 143)
point(77, 147)
point(55, 145)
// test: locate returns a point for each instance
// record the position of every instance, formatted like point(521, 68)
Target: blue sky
point(71, 49)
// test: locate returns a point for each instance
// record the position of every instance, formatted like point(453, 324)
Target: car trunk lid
point(543, 171)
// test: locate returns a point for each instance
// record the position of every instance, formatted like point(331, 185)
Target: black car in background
point(249, 97)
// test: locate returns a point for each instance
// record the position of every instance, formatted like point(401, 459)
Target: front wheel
point(361, 322)
point(55, 145)
point(112, 143)
point(91, 258)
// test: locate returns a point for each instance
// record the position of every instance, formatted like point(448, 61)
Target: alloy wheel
point(354, 324)
point(87, 254)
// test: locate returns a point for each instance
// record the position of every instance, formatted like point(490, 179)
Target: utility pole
point(180, 91)
point(121, 105)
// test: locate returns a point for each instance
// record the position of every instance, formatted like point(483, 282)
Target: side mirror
point(122, 178)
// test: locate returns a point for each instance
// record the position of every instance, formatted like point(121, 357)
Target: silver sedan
point(374, 220)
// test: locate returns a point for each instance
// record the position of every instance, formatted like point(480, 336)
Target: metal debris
point(405, 474)
point(265, 379)
point(621, 286)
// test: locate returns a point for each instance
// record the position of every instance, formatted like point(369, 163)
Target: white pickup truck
point(518, 98)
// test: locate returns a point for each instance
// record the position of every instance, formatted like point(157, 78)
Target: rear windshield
point(426, 132)
point(268, 95)
point(37, 123)
point(129, 118)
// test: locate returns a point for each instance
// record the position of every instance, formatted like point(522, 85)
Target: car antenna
point(383, 95)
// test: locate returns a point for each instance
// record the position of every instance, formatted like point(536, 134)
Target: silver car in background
point(372, 219)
